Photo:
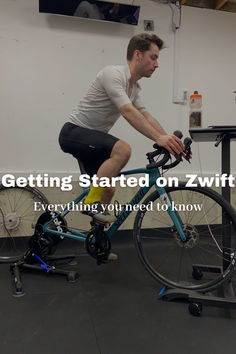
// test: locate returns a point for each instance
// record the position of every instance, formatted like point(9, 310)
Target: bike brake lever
point(187, 143)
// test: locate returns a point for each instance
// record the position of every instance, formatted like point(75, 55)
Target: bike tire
point(18, 218)
point(180, 265)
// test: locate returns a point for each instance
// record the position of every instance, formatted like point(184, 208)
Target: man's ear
point(138, 55)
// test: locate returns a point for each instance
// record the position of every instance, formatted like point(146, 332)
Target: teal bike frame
point(154, 174)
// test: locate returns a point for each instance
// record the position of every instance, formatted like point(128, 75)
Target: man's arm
point(148, 126)
point(154, 123)
point(139, 122)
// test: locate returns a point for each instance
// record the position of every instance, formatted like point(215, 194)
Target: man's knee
point(127, 150)
point(122, 150)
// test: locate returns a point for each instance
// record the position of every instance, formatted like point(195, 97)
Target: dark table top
point(213, 133)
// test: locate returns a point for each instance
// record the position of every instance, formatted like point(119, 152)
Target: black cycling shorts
point(92, 147)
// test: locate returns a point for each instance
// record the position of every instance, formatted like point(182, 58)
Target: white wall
point(48, 61)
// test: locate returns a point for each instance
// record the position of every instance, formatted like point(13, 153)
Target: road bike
point(184, 236)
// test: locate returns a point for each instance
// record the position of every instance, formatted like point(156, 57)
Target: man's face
point(147, 62)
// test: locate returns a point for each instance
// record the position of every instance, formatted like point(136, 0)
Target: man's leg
point(111, 167)
point(120, 155)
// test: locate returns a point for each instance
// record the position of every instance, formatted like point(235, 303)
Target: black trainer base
point(20, 266)
point(197, 299)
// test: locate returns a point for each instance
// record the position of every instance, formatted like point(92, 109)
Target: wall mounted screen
point(92, 9)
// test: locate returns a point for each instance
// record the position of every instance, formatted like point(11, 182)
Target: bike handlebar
point(166, 155)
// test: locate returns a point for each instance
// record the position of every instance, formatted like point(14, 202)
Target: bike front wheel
point(18, 217)
point(206, 258)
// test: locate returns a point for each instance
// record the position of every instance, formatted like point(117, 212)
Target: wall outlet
point(148, 25)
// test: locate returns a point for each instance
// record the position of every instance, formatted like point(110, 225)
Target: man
point(115, 93)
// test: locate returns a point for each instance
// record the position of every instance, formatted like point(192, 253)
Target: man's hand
point(171, 143)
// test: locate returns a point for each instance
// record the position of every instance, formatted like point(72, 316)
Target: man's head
point(143, 52)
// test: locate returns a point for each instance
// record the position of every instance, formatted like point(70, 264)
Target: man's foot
point(96, 211)
point(112, 257)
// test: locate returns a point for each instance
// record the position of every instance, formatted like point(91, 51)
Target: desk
point(213, 133)
point(218, 134)
point(223, 135)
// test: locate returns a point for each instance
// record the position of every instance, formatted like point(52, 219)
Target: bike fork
point(174, 215)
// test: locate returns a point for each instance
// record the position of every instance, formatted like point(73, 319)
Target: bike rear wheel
point(207, 258)
point(18, 217)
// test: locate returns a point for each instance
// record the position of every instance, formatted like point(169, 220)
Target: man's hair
point(142, 42)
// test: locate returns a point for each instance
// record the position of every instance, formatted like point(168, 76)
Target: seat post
point(81, 166)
